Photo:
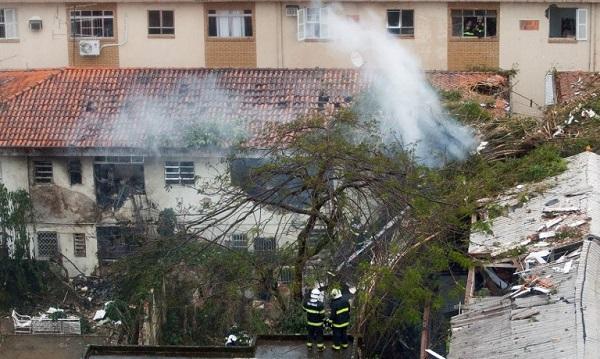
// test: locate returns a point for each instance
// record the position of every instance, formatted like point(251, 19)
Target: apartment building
point(102, 150)
point(533, 37)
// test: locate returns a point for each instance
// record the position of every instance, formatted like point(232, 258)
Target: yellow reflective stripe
point(336, 347)
point(341, 325)
point(314, 324)
point(343, 310)
point(312, 311)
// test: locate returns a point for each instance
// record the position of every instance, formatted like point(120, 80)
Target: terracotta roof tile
point(14, 82)
point(104, 107)
point(571, 85)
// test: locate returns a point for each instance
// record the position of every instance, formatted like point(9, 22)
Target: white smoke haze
point(410, 108)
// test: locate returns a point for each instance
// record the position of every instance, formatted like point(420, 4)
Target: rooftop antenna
point(357, 59)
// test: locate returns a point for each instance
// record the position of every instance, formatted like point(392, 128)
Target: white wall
point(533, 54)
point(44, 49)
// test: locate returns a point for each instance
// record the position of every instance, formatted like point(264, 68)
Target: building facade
point(533, 37)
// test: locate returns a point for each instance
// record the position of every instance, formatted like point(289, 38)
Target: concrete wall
point(533, 54)
point(43, 49)
point(47, 346)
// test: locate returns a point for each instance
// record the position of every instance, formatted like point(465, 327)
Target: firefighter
point(340, 319)
point(315, 316)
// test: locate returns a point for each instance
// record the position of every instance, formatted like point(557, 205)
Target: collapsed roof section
point(554, 314)
point(554, 212)
point(132, 108)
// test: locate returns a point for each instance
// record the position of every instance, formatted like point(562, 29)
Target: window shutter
point(582, 24)
point(324, 23)
point(301, 24)
point(10, 18)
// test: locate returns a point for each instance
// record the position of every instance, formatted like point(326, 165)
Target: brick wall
point(224, 52)
point(469, 53)
point(108, 56)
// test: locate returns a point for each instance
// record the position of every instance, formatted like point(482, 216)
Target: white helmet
point(336, 293)
point(315, 294)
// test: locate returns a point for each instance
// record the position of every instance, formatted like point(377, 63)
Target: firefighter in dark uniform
point(340, 319)
point(315, 317)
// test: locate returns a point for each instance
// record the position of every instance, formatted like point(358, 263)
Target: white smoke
point(410, 108)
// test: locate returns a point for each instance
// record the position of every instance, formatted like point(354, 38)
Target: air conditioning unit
point(291, 10)
point(89, 47)
point(35, 23)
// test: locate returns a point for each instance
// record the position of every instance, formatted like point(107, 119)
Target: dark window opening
point(79, 247)
point(473, 23)
point(239, 241)
point(250, 175)
point(115, 242)
point(115, 182)
point(562, 22)
point(42, 171)
point(265, 245)
point(401, 22)
point(161, 22)
point(74, 167)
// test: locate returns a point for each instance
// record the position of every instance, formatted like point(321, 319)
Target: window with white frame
point(42, 171)
point(92, 23)
point(79, 244)
point(401, 22)
point(474, 23)
point(313, 24)
point(230, 23)
point(8, 24)
point(47, 244)
point(568, 23)
point(161, 22)
point(177, 172)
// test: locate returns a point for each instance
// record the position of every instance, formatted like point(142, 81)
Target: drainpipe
point(593, 37)
point(121, 43)
point(591, 45)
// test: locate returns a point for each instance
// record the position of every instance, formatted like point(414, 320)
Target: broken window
point(179, 172)
point(239, 241)
point(47, 244)
point(265, 245)
point(313, 24)
point(273, 188)
point(161, 22)
point(117, 178)
point(401, 22)
point(567, 22)
point(230, 23)
point(42, 171)
point(74, 167)
point(474, 23)
point(79, 244)
point(115, 242)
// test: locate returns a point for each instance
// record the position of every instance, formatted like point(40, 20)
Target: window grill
point(161, 22)
point(42, 171)
point(47, 244)
point(179, 172)
point(96, 23)
point(286, 275)
point(79, 244)
point(239, 241)
point(265, 244)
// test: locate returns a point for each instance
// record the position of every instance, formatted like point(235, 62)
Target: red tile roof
point(571, 85)
point(129, 108)
point(14, 82)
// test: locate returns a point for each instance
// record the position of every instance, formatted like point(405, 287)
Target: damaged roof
point(571, 85)
point(562, 323)
point(558, 210)
point(118, 107)
point(14, 82)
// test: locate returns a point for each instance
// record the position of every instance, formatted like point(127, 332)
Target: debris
point(541, 244)
point(567, 267)
point(482, 146)
point(546, 235)
point(494, 277)
point(552, 223)
point(577, 223)
point(524, 314)
point(560, 209)
point(537, 256)
point(100, 314)
point(541, 290)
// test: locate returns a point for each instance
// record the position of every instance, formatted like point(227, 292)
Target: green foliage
point(450, 95)
point(167, 222)
point(469, 112)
